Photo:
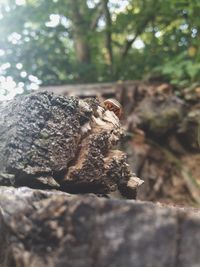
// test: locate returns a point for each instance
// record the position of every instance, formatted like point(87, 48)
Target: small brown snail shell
point(113, 105)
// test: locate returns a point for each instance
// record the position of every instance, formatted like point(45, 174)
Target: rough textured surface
point(57, 229)
point(39, 135)
point(163, 135)
point(160, 114)
point(49, 141)
point(189, 129)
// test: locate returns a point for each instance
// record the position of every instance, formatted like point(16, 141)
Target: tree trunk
point(80, 28)
point(82, 48)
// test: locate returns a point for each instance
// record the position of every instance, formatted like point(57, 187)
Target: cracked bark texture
point(49, 141)
point(49, 228)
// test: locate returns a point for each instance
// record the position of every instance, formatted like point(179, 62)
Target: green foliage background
point(162, 39)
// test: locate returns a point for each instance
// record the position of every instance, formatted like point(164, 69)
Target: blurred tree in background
point(66, 41)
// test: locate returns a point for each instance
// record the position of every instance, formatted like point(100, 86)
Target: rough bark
point(163, 135)
point(152, 106)
point(40, 228)
point(49, 141)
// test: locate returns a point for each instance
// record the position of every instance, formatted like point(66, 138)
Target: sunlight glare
point(54, 20)
point(20, 2)
point(138, 44)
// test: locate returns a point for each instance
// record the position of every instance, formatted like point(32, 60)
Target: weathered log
point(169, 120)
point(83, 90)
point(189, 130)
point(49, 141)
point(159, 116)
point(41, 228)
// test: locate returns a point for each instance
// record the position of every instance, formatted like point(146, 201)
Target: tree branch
point(150, 16)
point(139, 31)
point(99, 12)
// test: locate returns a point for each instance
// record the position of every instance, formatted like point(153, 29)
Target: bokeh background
point(85, 41)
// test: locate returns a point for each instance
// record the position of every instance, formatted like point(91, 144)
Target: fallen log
point(49, 141)
point(41, 228)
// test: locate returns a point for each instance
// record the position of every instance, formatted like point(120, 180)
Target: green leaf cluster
point(69, 41)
